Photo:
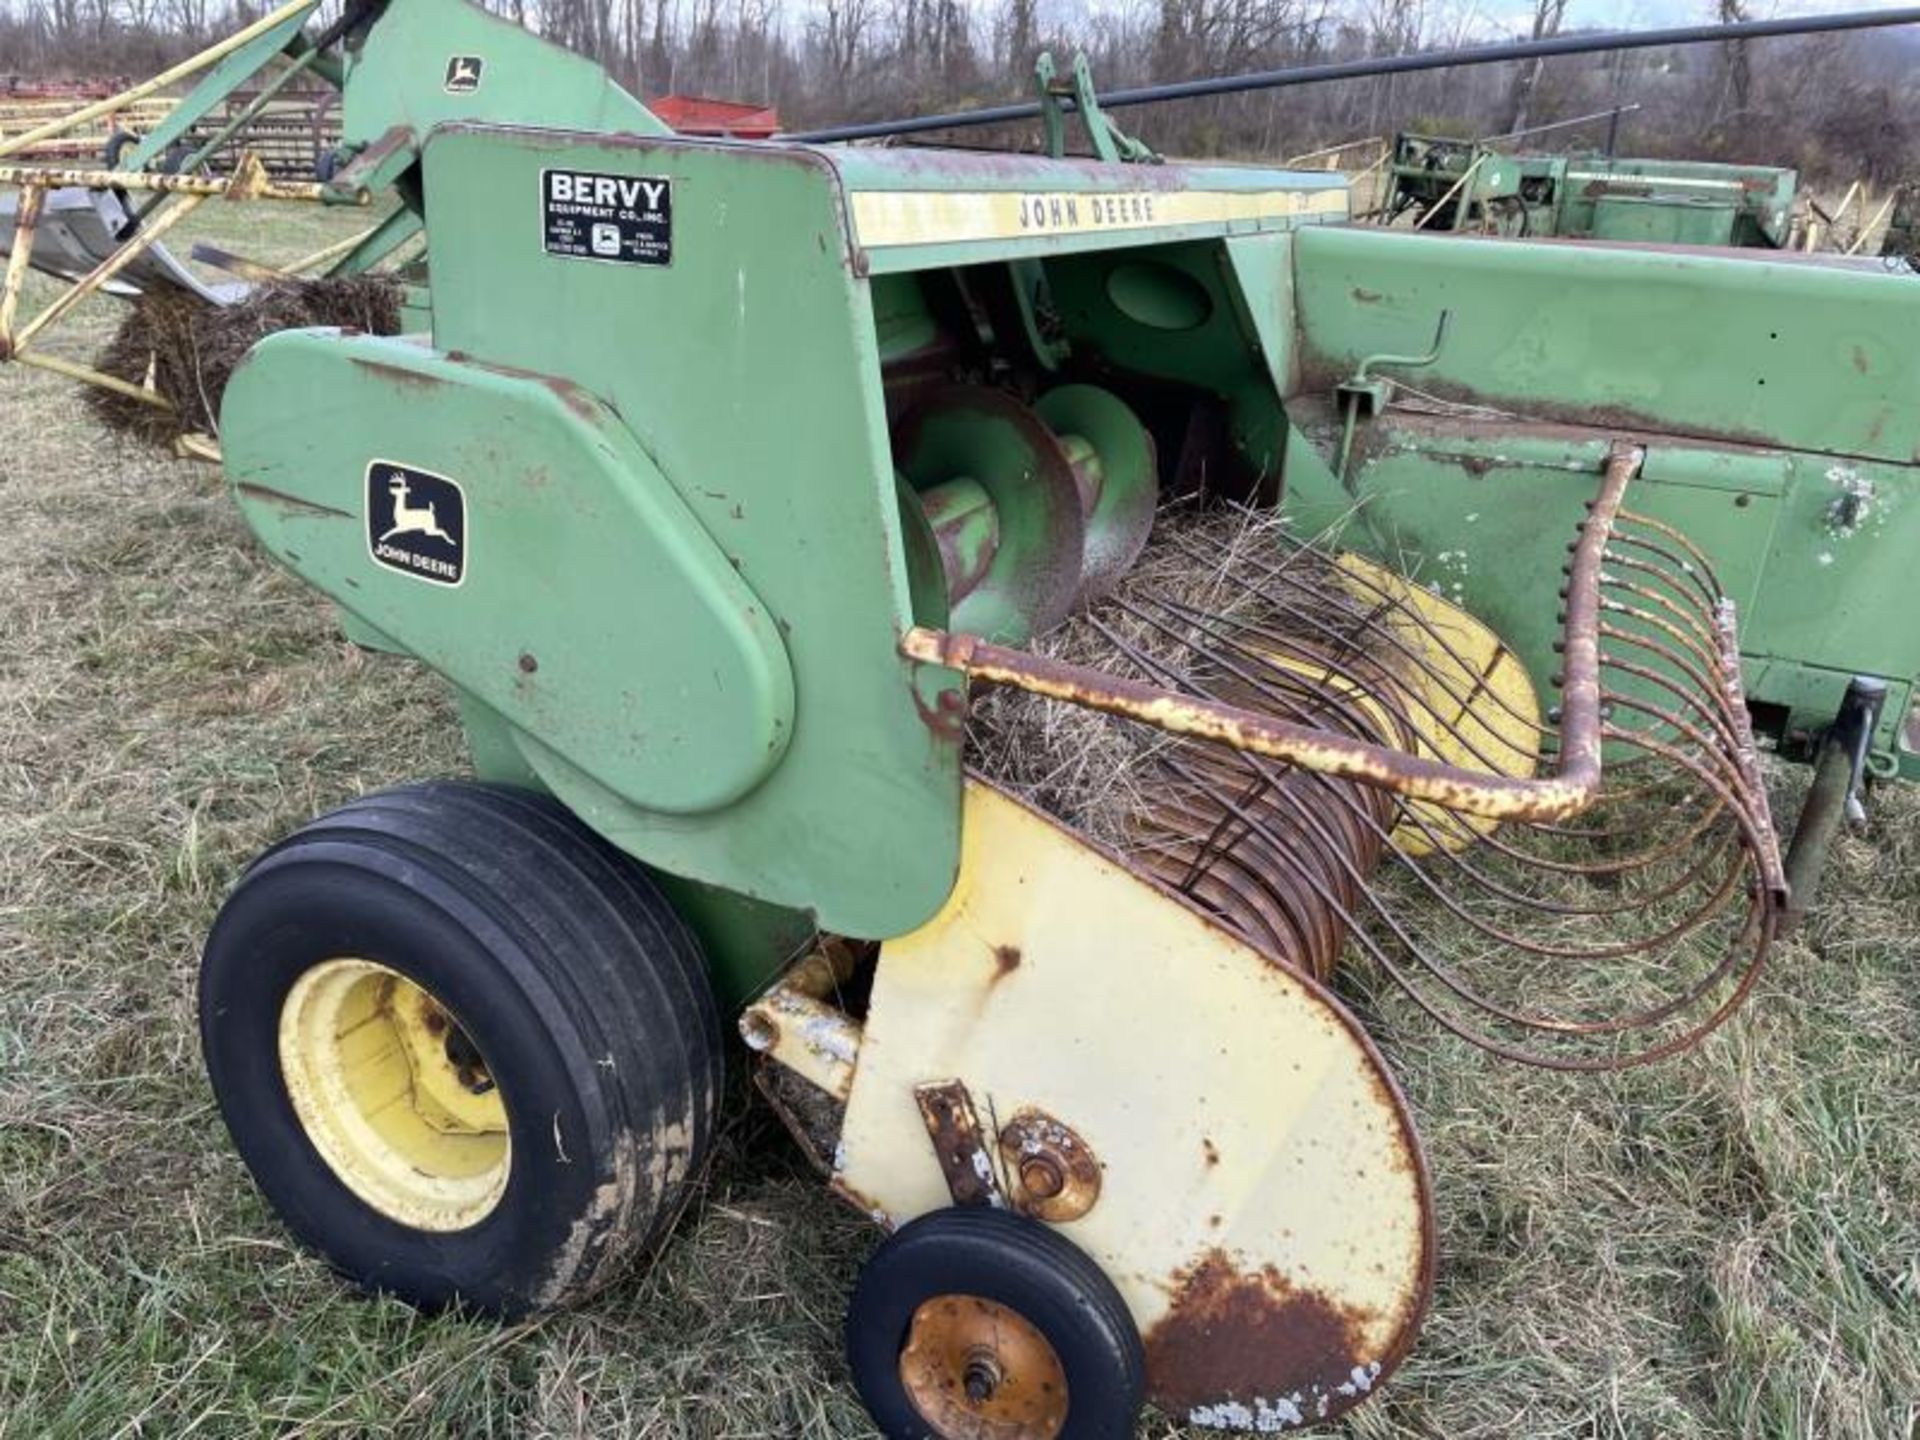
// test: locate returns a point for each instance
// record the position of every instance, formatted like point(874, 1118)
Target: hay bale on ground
point(190, 349)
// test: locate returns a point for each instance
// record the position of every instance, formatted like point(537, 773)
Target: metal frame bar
point(1498, 54)
point(192, 65)
point(1573, 787)
point(180, 195)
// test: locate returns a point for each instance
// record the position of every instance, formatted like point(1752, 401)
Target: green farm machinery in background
point(1468, 185)
point(719, 480)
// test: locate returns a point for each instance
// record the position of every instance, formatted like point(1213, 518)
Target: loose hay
point(1092, 771)
point(188, 350)
point(1595, 941)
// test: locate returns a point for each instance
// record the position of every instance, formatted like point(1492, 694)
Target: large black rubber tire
point(584, 993)
point(1016, 1262)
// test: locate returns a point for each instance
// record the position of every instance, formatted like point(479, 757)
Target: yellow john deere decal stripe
point(945, 217)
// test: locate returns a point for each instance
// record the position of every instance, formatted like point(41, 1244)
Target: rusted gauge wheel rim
point(978, 1370)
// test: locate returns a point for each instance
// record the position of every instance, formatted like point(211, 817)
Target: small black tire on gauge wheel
point(465, 1047)
point(970, 1322)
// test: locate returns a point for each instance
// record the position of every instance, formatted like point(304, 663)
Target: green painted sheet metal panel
point(1177, 313)
point(403, 75)
point(513, 535)
point(1261, 268)
point(745, 362)
point(1760, 351)
point(1663, 221)
point(1841, 572)
point(212, 89)
point(746, 943)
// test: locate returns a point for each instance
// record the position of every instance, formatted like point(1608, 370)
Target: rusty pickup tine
point(1693, 561)
point(1403, 652)
point(1354, 857)
point(1312, 820)
point(1746, 752)
point(1573, 786)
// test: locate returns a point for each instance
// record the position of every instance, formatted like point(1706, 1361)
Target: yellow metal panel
point(945, 217)
point(1468, 699)
point(1263, 1207)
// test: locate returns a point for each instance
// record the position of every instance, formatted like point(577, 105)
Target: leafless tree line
point(1836, 106)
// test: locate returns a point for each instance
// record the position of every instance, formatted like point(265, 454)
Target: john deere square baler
point(1344, 596)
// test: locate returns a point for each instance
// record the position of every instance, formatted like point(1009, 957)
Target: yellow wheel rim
point(394, 1095)
point(979, 1370)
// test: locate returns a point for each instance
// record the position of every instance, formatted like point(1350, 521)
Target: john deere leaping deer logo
point(412, 519)
point(416, 522)
point(463, 74)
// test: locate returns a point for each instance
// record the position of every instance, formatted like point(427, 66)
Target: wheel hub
point(394, 1095)
point(978, 1370)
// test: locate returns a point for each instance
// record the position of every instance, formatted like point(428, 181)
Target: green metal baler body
point(683, 573)
point(1678, 202)
point(1776, 400)
point(1595, 197)
point(684, 577)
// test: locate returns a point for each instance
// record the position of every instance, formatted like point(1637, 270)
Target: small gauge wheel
point(976, 1322)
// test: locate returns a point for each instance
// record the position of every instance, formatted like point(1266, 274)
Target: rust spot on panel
point(954, 1128)
point(1255, 1351)
point(865, 1204)
point(1211, 1151)
point(1006, 960)
point(1859, 360)
point(297, 504)
point(580, 402)
point(1054, 1174)
point(946, 717)
point(399, 374)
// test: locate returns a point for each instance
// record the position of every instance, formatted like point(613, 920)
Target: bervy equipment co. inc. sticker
point(625, 219)
point(416, 522)
point(463, 74)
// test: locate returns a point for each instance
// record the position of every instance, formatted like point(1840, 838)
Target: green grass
point(1725, 1245)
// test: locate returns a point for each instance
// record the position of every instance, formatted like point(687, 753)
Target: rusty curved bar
point(1574, 785)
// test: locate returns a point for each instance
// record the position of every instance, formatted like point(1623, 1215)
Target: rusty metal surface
point(1667, 874)
point(818, 1041)
point(1214, 1133)
point(1226, 1324)
point(812, 1117)
point(1053, 1173)
point(980, 1370)
point(959, 1143)
point(249, 182)
point(1573, 785)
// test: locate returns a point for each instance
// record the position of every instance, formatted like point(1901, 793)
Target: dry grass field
point(1724, 1245)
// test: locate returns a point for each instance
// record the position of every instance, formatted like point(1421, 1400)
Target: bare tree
point(1547, 15)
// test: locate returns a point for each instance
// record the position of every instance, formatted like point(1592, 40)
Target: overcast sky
point(1507, 17)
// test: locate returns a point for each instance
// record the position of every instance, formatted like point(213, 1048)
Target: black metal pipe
point(1840, 767)
point(1386, 65)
